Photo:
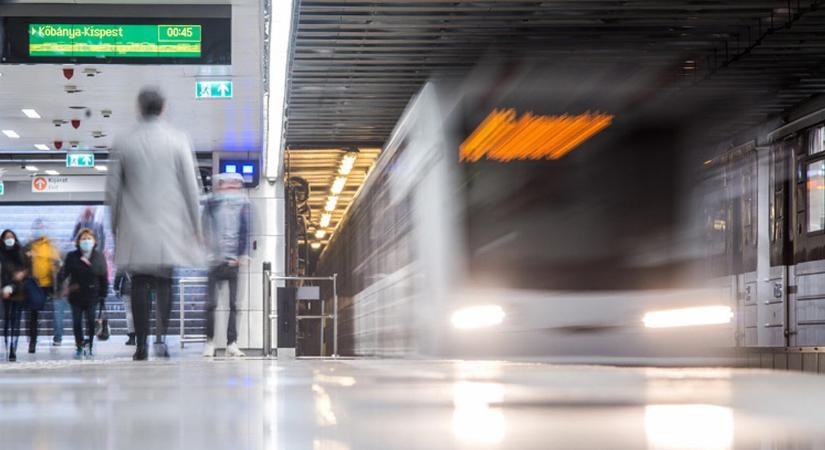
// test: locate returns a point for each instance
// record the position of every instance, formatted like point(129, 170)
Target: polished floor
point(50, 401)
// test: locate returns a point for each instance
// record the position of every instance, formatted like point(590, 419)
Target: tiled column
point(268, 244)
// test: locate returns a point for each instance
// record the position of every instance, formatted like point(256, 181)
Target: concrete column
point(268, 243)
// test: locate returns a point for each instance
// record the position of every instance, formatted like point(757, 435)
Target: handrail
point(269, 280)
point(182, 282)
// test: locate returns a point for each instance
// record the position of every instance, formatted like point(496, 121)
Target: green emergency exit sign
point(2, 188)
point(114, 40)
point(213, 89)
point(80, 160)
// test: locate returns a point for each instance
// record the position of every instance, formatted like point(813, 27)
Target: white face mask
point(9, 243)
point(86, 245)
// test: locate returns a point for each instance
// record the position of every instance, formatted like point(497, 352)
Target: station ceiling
point(213, 125)
point(356, 63)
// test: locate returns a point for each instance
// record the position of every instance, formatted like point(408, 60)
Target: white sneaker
point(233, 350)
point(208, 349)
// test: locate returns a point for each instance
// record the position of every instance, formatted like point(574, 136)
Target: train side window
point(816, 140)
point(816, 196)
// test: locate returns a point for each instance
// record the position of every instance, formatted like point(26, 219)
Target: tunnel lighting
point(52, 172)
point(332, 200)
point(704, 315)
point(338, 185)
point(319, 234)
point(30, 113)
point(325, 218)
point(11, 134)
point(704, 427)
point(477, 317)
point(41, 146)
point(315, 245)
point(347, 163)
point(101, 168)
point(31, 168)
point(500, 137)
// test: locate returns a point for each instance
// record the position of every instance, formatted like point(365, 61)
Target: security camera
point(106, 113)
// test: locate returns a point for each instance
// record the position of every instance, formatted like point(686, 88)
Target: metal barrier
point(182, 283)
point(269, 281)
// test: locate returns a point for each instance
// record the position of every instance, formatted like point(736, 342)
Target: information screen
point(115, 40)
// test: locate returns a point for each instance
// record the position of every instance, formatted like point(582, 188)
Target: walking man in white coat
point(152, 191)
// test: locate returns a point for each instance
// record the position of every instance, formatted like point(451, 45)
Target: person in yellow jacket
point(45, 261)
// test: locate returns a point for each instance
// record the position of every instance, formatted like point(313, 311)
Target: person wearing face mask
point(14, 267)
point(45, 260)
point(88, 284)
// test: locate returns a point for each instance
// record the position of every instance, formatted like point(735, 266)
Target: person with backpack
point(226, 231)
point(45, 260)
point(86, 271)
point(14, 268)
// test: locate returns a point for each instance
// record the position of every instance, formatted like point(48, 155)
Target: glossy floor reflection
point(189, 403)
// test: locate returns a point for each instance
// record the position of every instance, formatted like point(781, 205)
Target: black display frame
point(216, 41)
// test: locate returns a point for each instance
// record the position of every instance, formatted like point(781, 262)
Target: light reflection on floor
point(189, 403)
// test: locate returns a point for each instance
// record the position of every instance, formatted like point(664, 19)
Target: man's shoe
point(162, 350)
point(78, 352)
point(232, 350)
point(208, 349)
point(12, 354)
point(131, 340)
point(141, 353)
point(57, 342)
point(32, 346)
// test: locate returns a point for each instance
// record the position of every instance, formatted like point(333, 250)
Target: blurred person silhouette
point(92, 219)
point(123, 291)
point(14, 267)
point(88, 284)
point(45, 261)
point(226, 233)
point(152, 190)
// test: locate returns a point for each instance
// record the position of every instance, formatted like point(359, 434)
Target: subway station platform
point(187, 402)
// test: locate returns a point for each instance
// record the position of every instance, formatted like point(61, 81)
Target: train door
point(740, 182)
point(807, 308)
point(774, 316)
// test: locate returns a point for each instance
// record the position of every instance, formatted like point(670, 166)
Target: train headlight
point(686, 317)
point(477, 317)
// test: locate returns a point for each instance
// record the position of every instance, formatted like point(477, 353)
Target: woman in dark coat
point(86, 270)
point(14, 267)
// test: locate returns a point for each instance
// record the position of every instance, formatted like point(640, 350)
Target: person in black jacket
point(15, 267)
point(86, 270)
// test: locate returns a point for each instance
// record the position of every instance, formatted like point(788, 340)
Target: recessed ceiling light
point(41, 146)
point(31, 168)
point(101, 168)
point(31, 114)
point(11, 134)
point(52, 172)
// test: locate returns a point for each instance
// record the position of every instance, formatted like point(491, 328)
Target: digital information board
point(115, 40)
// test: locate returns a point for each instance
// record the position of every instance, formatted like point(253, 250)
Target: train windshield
point(602, 217)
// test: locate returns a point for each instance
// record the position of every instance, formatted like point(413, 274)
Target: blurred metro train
point(459, 246)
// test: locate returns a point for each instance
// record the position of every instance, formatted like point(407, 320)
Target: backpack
point(35, 296)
